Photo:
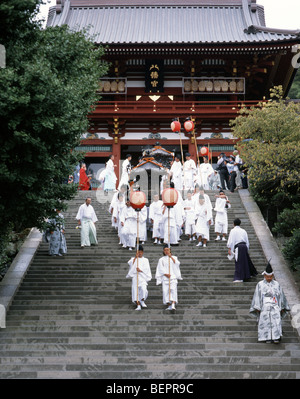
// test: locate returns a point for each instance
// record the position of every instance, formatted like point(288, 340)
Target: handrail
point(187, 107)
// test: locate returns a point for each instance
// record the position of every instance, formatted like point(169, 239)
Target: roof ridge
point(155, 3)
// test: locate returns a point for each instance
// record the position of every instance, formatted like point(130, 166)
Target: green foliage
point(288, 221)
point(292, 250)
point(272, 149)
point(47, 91)
point(270, 146)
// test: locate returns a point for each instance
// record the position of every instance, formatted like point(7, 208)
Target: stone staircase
point(73, 317)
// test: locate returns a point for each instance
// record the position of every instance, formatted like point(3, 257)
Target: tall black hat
point(269, 270)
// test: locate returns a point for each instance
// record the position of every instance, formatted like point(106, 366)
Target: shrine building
point(204, 59)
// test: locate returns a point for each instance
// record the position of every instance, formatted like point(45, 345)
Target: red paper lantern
point(169, 196)
point(203, 151)
point(189, 125)
point(175, 126)
point(137, 199)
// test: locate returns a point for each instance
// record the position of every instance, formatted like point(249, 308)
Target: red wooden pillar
point(116, 151)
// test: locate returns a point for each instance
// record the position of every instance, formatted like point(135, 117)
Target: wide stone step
point(140, 367)
point(142, 375)
point(209, 334)
point(203, 344)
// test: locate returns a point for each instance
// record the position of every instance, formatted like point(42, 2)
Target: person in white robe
point(189, 172)
point(221, 218)
point(190, 217)
point(114, 200)
point(155, 216)
point(204, 172)
point(195, 194)
point(238, 249)
point(117, 211)
point(129, 223)
point(143, 216)
point(203, 216)
point(87, 218)
point(179, 219)
point(126, 169)
point(176, 173)
point(169, 225)
point(195, 197)
point(168, 273)
point(140, 273)
point(269, 306)
point(110, 178)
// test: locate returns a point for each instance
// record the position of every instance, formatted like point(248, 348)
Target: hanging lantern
point(137, 200)
point(169, 196)
point(189, 125)
point(175, 126)
point(203, 151)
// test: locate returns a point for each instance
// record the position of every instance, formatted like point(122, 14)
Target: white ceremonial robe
point(129, 219)
point(207, 200)
point(155, 213)
point(221, 219)
point(176, 170)
point(169, 226)
point(203, 218)
point(117, 211)
point(239, 245)
point(126, 169)
point(269, 305)
point(110, 176)
point(140, 280)
point(179, 218)
point(143, 216)
point(88, 218)
point(203, 173)
point(169, 286)
point(189, 173)
point(111, 208)
point(237, 235)
point(190, 216)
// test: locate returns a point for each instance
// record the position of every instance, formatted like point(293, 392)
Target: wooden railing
point(173, 108)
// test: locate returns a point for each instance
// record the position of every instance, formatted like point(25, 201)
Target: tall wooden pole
point(182, 160)
point(197, 155)
point(137, 245)
point(169, 243)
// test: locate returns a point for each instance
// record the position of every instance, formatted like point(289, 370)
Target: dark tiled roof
point(113, 3)
point(237, 22)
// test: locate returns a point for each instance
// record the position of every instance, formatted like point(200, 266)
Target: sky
point(281, 14)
